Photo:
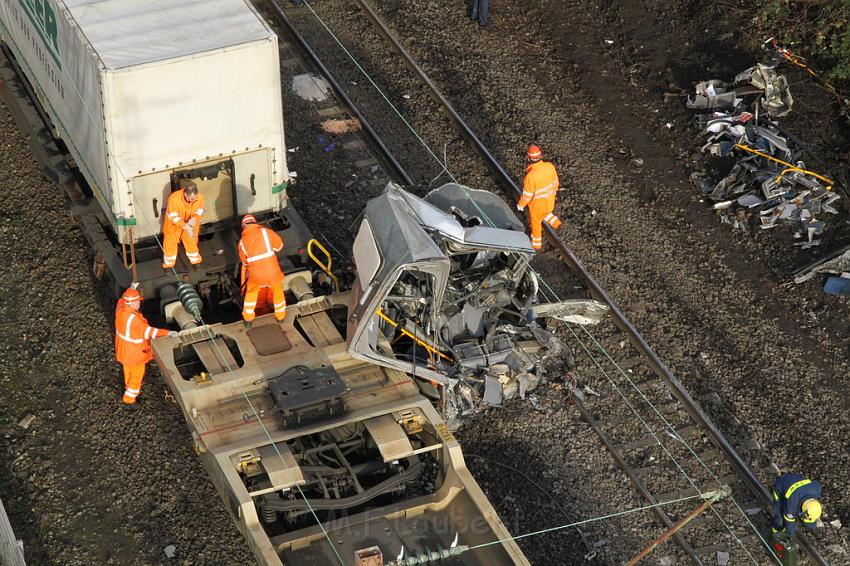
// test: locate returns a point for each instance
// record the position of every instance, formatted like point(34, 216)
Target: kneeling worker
point(258, 249)
point(538, 193)
point(182, 223)
point(795, 497)
point(133, 337)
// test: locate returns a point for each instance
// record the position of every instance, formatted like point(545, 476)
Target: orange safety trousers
point(252, 293)
point(537, 215)
point(172, 236)
point(134, 374)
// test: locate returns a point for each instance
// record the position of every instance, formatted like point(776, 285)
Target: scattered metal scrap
point(770, 88)
point(836, 264)
point(768, 185)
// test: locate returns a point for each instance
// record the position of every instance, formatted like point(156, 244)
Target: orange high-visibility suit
point(178, 213)
point(133, 337)
point(538, 194)
point(258, 249)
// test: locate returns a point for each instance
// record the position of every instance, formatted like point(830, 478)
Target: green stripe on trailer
point(280, 188)
point(126, 221)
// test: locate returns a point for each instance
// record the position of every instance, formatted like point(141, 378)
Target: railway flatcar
point(329, 435)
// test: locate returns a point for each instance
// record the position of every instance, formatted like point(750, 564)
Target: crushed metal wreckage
point(450, 296)
point(836, 264)
point(768, 185)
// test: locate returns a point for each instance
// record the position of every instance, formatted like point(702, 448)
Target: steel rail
point(740, 467)
point(633, 476)
point(340, 92)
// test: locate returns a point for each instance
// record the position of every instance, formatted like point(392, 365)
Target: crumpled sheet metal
point(762, 79)
point(469, 392)
point(777, 95)
point(576, 311)
point(840, 264)
point(758, 192)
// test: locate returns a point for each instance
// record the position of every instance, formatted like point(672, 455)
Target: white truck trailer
point(147, 93)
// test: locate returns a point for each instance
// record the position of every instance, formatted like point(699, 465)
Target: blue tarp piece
point(837, 286)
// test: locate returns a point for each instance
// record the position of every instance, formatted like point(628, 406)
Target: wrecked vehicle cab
point(446, 281)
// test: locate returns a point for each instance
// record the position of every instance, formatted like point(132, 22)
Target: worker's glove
point(173, 334)
point(190, 229)
point(520, 208)
point(192, 222)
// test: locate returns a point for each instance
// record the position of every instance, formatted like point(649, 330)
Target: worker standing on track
point(795, 497)
point(538, 193)
point(133, 337)
point(182, 222)
point(258, 249)
point(480, 11)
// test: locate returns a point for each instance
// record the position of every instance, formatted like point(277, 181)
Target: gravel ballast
point(88, 483)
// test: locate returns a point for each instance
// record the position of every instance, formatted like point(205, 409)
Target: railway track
point(654, 430)
point(644, 416)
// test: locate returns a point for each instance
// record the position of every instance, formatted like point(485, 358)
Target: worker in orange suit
point(538, 193)
point(133, 337)
point(258, 249)
point(182, 223)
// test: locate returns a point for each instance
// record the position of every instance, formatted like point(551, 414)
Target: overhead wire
point(539, 487)
point(672, 429)
point(675, 435)
point(587, 521)
point(212, 337)
point(554, 294)
point(208, 329)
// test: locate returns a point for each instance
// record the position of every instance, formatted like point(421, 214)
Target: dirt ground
point(89, 484)
point(714, 303)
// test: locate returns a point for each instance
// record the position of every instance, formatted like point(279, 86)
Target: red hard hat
point(131, 295)
point(248, 219)
point(534, 153)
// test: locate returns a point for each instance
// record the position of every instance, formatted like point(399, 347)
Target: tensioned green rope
point(672, 431)
point(550, 290)
point(676, 436)
point(591, 520)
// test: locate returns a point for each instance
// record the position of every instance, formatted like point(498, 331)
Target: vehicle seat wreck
point(445, 293)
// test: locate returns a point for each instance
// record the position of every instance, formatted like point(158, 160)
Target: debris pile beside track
point(767, 184)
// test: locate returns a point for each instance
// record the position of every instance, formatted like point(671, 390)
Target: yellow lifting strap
point(327, 265)
point(430, 349)
point(788, 166)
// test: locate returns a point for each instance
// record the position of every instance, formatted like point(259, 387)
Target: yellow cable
point(430, 349)
point(786, 164)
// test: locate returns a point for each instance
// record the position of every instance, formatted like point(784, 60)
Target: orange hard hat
point(131, 295)
point(534, 153)
point(248, 219)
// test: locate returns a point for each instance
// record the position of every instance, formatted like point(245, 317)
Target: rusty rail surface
point(739, 466)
